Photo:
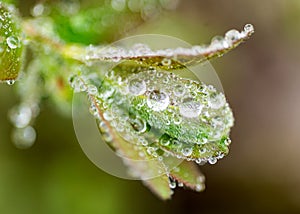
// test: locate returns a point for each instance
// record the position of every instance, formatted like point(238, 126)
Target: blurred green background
point(261, 174)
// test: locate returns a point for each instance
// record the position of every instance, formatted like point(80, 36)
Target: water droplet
point(232, 35)
point(21, 116)
point(180, 184)
point(38, 10)
point(118, 5)
point(218, 42)
point(107, 115)
point(166, 62)
point(92, 90)
point(202, 151)
point(12, 42)
point(137, 86)
point(216, 100)
point(212, 160)
point(187, 151)
point(10, 82)
point(172, 183)
point(249, 28)
point(24, 138)
point(138, 124)
point(190, 108)
point(177, 119)
point(158, 100)
point(200, 187)
point(179, 90)
point(177, 144)
point(164, 142)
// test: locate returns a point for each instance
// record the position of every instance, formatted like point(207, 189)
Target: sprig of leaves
point(143, 110)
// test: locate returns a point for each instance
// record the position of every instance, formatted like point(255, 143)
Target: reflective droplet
point(24, 138)
point(38, 10)
point(137, 87)
point(12, 42)
point(166, 62)
point(216, 100)
point(10, 82)
point(21, 116)
point(164, 142)
point(179, 90)
point(212, 160)
point(158, 100)
point(107, 115)
point(218, 42)
point(172, 183)
point(200, 187)
point(249, 28)
point(91, 89)
point(118, 5)
point(187, 151)
point(232, 35)
point(138, 124)
point(190, 108)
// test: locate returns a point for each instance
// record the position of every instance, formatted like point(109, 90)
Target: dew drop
point(107, 116)
point(249, 28)
point(180, 184)
point(91, 89)
point(38, 10)
point(189, 108)
point(10, 82)
point(24, 138)
point(200, 187)
point(166, 62)
point(218, 42)
point(12, 42)
point(137, 87)
point(118, 5)
point(138, 124)
point(165, 142)
point(158, 100)
point(216, 100)
point(21, 116)
point(179, 90)
point(187, 151)
point(172, 183)
point(202, 151)
point(212, 160)
point(232, 35)
point(177, 144)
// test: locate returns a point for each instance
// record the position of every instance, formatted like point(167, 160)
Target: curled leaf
point(11, 46)
point(169, 59)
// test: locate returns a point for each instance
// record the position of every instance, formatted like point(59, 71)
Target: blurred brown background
point(260, 175)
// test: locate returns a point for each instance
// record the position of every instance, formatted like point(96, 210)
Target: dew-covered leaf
point(169, 59)
point(11, 47)
point(153, 115)
point(193, 119)
point(135, 155)
point(187, 174)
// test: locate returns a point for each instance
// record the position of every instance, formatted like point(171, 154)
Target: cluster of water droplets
point(161, 111)
point(199, 181)
point(22, 116)
point(218, 45)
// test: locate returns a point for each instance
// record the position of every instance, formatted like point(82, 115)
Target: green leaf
point(168, 59)
point(140, 166)
point(11, 46)
point(160, 186)
point(188, 174)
